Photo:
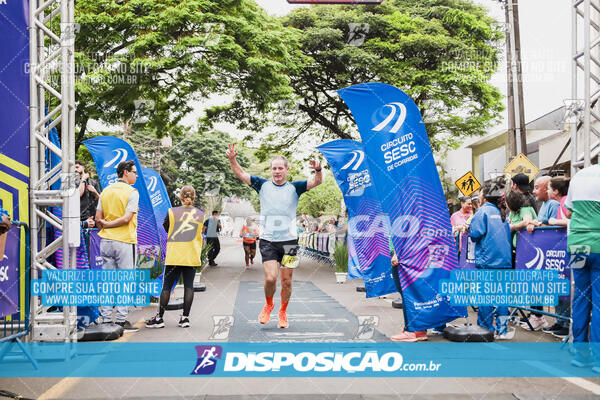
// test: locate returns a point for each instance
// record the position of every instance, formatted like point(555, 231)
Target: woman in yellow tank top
point(184, 247)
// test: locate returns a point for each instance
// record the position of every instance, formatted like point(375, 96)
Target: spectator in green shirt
point(520, 215)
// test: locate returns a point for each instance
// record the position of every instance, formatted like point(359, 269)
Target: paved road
point(319, 307)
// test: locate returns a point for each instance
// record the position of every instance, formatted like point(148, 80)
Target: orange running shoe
point(265, 314)
point(283, 321)
point(406, 336)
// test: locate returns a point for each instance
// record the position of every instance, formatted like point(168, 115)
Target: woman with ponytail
point(184, 246)
point(490, 231)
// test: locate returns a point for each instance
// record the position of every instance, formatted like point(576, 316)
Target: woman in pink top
point(557, 190)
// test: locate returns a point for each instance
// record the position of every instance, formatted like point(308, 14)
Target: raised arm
point(235, 166)
point(317, 178)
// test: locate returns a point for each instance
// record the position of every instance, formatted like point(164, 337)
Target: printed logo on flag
point(394, 108)
point(207, 359)
point(152, 184)
point(357, 158)
point(120, 157)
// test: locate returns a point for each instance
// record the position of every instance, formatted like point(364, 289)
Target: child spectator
point(557, 190)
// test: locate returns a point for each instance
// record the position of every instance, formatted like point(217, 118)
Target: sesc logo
point(357, 158)
point(121, 156)
point(152, 184)
point(207, 359)
point(537, 261)
point(394, 108)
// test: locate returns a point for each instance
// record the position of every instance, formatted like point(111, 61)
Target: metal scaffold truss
point(52, 91)
point(584, 108)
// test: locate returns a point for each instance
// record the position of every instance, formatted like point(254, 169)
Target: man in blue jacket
point(491, 233)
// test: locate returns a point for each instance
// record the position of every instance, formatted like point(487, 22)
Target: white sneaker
point(510, 334)
point(537, 323)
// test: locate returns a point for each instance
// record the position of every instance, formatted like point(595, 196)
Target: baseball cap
point(522, 182)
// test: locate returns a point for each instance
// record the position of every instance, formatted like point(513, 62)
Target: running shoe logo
point(357, 158)
point(394, 108)
point(207, 359)
point(121, 156)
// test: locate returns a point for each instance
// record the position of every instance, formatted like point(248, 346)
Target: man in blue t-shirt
point(278, 231)
point(549, 207)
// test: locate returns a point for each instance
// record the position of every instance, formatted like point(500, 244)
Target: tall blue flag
point(406, 177)
point(366, 222)
point(161, 203)
point(108, 152)
point(159, 197)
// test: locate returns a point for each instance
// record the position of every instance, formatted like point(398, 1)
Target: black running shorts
point(252, 245)
point(276, 250)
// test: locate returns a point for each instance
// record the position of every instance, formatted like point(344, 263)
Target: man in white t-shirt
point(278, 230)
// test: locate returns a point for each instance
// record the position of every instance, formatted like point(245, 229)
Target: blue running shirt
point(278, 208)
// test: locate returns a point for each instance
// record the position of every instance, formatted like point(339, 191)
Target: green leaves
point(440, 52)
point(189, 50)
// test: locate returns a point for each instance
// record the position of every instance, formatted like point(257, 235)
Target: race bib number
point(289, 261)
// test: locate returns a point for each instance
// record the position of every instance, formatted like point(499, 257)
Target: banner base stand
point(199, 287)
point(397, 303)
point(174, 304)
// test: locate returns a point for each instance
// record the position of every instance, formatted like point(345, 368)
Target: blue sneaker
point(582, 360)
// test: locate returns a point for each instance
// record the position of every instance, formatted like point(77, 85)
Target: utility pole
point(511, 146)
point(517, 38)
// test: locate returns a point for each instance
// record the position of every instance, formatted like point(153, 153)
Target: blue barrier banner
point(545, 248)
point(366, 222)
point(384, 360)
point(14, 120)
point(108, 152)
point(405, 174)
point(9, 273)
point(95, 257)
point(466, 258)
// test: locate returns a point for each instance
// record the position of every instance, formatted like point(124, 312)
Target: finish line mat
point(313, 316)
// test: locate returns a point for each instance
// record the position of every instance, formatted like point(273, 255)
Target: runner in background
point(249, 235)
point(279, 235)
point(184, 246)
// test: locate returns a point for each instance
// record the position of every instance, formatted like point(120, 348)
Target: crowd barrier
point(544, 249)
point(318, 246)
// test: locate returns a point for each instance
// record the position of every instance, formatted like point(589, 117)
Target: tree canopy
point(153, 57)
point(442, 53)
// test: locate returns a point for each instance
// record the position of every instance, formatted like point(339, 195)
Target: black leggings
point(172, 273)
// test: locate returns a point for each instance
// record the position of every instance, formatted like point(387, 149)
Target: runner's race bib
point(290, 259)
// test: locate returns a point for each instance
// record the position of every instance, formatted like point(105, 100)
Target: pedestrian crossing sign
point(468, 184)
point(521, 165)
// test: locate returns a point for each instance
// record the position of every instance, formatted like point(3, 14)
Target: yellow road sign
point(521, 165)
point(468, 184)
